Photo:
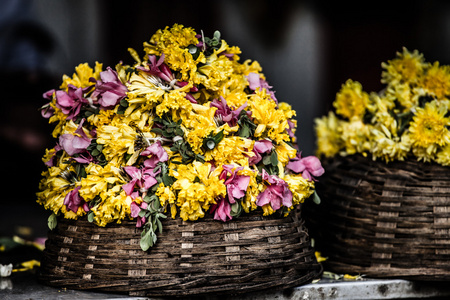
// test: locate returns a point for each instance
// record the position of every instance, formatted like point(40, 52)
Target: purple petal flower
point(73, 200)
point(71, 102)
point(236, 184)
point(141, 179)
point(47, 111)
point(255, 81)
point(262, 146)
point(277, 193)
point(73, 144)
point(52, 161)
point(157, 154)
point(109, 90)
point(309, 166)
point(135, 210)
point(222, 210)
point(225, 113)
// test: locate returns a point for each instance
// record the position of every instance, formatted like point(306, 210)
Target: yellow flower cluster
point(187, 130)
point(409, 118)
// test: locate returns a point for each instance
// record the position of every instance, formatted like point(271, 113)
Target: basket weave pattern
point(190, 258)
point(384, 220)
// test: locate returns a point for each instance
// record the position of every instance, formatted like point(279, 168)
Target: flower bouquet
point(386, 194)
point(188, 150)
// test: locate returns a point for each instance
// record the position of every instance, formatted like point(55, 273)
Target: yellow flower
point(300, 187)
point(272, 123)
point(216, 71)
point(328, 133)
point(174, 43)
point(54, 185)
point(231, 150)
point(81, 76)
point(175, 104)
point(285, 152)
point(145, 89)
point(405, 68)
point(356, 137)
point(196, 189)
point(167, 197)
point(443, 156)
point(115, 205)
point(429, 127)
point(351, 101)
point(436, 81)
point(98, 180)
point(404, 95)
point(389, 147)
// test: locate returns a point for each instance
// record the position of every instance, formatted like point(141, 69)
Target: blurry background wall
point(307, 50)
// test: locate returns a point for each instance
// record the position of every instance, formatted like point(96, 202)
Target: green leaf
point(142, 213)
point(147, 198)
point(236, 209)
point(90, 216)
point(159, 225)
point(316, 198)
point(267, 160)
point(146, 240)
point(274, 158)
point(95, 152)
point(52, 221)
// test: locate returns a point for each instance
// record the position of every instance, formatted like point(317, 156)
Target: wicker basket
point(384, 220)
point(250, 253)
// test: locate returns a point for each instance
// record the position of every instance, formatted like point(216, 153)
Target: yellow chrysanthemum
point(404, 95)
point(98, 180)
point(436, 81)
point(351, 101)
point(356, 137)
point(175, 104)
point(196, 189)
point(285, 152)
point(216, 71)
point(231, 150)
point(271, 122)
point(167, 198)
point(174, 42)
point(300, 187)
point(443, 156)
point(82, 75)
point(328, 135)
point(55, 185)
point(429, 127)
point(405, 68)
point(115, 206)
point(389, 147)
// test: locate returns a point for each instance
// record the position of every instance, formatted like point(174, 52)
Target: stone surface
point(25, 286)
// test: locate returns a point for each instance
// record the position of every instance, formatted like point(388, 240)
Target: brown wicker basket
point(383, 220)
point(190, 258)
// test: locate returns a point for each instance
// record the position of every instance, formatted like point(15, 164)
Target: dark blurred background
point(307, 50)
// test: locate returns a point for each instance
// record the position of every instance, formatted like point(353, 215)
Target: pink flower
point(109, 90)
point(157, 154)
point(262, 146)
point(225, 113)
point(309, 166)
point(277, 193)
point(135, 210)
point(221, 210)
point(73, 201)
point(236, 184)
point(47, 111)
point(140, 178)
point(74, 144)
point(71, 102)
point(255, 81)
